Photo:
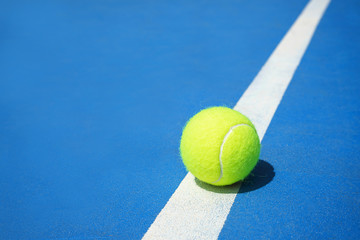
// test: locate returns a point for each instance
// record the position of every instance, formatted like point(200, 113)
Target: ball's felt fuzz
point(219, 146)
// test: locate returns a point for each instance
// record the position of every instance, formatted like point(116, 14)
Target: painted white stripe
point(195, 213)
point(260, 100)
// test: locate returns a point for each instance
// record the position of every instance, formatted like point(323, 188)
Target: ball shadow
point(261, 175)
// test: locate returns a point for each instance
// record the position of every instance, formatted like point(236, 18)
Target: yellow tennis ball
point(219, 146)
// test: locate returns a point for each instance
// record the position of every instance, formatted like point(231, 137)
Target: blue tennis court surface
point(94, 96)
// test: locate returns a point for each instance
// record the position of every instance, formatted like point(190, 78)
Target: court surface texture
point(94, 96)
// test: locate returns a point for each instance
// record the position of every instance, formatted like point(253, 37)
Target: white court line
point(195, 213)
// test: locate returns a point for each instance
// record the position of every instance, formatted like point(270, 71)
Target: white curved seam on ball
point(222, 146)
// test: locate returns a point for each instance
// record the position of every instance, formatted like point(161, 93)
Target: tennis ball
point(219, 146)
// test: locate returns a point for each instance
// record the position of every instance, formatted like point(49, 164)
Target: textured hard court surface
point(94, 96)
